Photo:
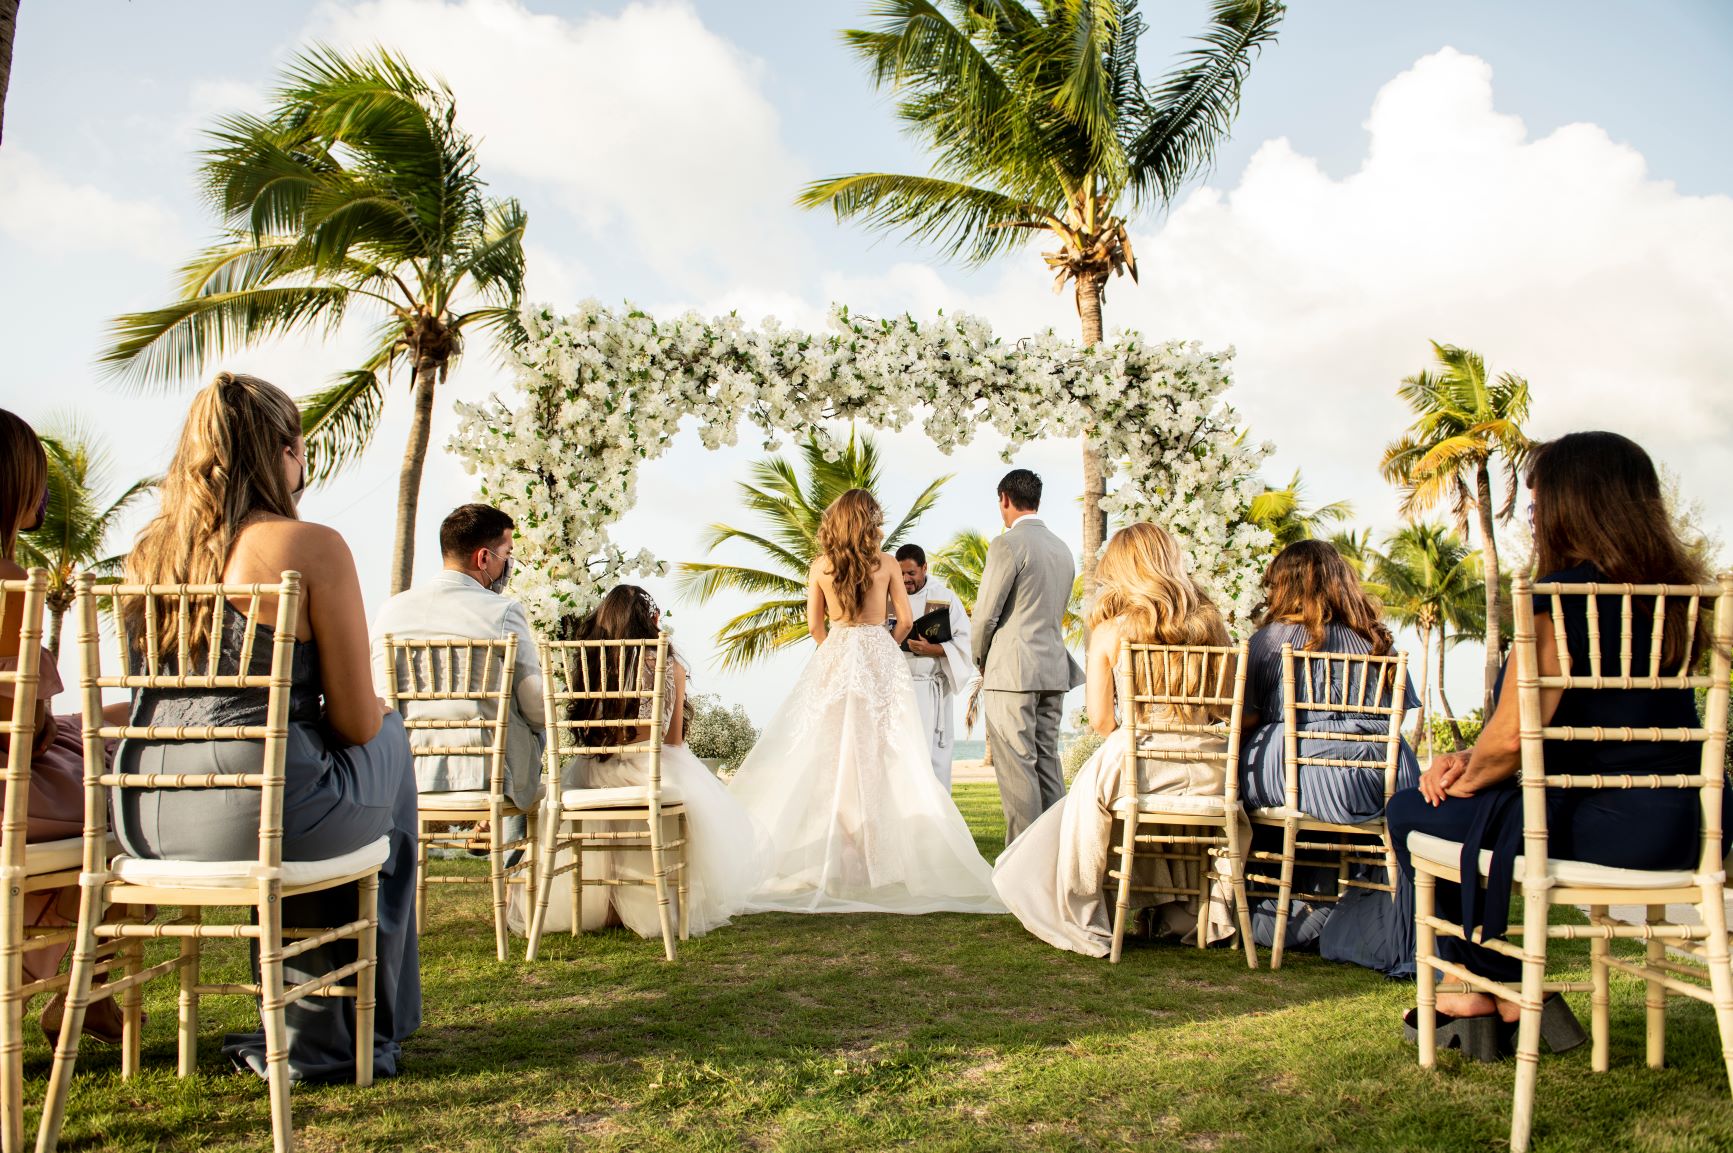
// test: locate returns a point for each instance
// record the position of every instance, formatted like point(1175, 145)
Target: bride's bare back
point(885, 596)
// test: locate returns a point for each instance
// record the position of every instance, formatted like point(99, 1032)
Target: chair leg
point(1284, 890)
point(544, 879)
point(367, 980)
point(496, 883)
point(187, 1009)
point(1655, 996)
point(684, 858)
point(1425, 976)
point(132, 1011)
point(1122, 900)
point(271, 1010)
point(1715, 953)
point(1528, 1029)
point(575, 878)
point(1206, 879)
point(420, 870)
point(1600, 976)
point(658, 870)
point(12, 1025)
point(90, 912)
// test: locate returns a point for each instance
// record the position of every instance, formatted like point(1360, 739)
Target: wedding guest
point(1313, 601)
point(56, 794)
point(725, 856)
point(229, 514)
point(1599, 517)
point(466, 599)
point(1053, 876)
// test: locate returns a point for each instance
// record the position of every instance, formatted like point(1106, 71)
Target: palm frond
point(338, 422)
point(173, 343)
point(962, 221)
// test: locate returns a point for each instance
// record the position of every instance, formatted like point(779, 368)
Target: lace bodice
point(234, 706)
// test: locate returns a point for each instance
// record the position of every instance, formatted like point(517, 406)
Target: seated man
point(466, 599)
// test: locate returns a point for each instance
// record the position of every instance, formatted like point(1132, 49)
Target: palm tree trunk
point(1420, 722)
point(1444, 701)
point(55, 617)
point(409, 478)
point(1489, 563)
point(8, 29)
point(1089, 286)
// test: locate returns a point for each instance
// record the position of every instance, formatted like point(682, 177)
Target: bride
point(841, 781)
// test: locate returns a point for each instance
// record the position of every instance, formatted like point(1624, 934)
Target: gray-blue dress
point(337, 798)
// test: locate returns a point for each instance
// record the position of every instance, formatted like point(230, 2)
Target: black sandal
point(1486, 1038)
point(1559, 1027)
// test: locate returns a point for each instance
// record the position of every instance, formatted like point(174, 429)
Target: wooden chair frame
point(1330, 843)
point(101, 887)
point(1163, 821)
point(1544, 885)
point(567, 677)
point(463, 669)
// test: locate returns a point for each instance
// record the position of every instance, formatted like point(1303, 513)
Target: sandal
point(1559, 1027)
point(1479, 1038)
point(106, 1028)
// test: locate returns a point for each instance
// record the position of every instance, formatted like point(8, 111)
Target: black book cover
point(932, 626)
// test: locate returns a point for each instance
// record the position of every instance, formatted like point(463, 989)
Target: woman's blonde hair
point(1141, 580)
point(23, 478)
point(850, 537)
point(227, 466)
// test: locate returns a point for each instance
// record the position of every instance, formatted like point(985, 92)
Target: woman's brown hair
point(227, 466)
point(1310, 584)
point(626, 613)
point(850, 536)
point(23, 478)
point(1598, 501)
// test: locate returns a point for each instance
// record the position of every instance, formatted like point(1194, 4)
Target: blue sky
point(1542, 181)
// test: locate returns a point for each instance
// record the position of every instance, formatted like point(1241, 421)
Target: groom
point(1020, 649)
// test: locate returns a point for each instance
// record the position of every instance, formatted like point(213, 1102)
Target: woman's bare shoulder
point(281, 543)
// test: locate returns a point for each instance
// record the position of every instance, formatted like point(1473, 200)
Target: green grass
point(925, 1033)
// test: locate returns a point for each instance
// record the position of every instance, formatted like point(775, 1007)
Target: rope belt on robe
point(934, 684)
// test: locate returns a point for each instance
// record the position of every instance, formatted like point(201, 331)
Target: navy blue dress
point(1623, 828)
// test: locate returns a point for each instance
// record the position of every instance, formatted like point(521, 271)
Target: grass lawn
point(930, 1033)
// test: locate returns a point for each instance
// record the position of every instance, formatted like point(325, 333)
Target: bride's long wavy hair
point(850, 536)
point(626, 613)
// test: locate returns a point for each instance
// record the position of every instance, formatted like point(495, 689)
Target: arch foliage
point(598, 393)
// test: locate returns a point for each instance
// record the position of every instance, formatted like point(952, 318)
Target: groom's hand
point(925, 648)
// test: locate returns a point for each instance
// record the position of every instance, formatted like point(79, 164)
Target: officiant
point(938, 652)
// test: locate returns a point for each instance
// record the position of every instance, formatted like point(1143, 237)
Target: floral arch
point(597, 393)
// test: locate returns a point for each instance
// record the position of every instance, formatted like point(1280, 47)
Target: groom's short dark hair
point(913, 552)
point(472, 526)
point(1023, 488)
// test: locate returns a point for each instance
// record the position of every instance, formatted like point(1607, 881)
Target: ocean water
point(969, 750)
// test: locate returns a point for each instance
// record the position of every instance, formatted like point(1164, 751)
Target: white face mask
point(300, 488)
point(504, 578)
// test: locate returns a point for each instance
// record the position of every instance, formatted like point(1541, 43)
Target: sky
point(1540, 182)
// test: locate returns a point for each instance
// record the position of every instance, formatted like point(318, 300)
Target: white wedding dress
point(841, 782)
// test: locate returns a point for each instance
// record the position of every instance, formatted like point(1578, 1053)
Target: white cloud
point(47, 210)
point(644, 121)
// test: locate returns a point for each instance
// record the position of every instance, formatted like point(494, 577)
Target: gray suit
point(1019, 645)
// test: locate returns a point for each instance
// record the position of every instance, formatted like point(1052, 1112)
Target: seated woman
point(1053, 876)
point(57, 749)
point(229, 514)
point(1599, 517)
point(726, 857)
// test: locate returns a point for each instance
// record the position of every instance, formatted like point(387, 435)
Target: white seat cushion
point(53, 856)
point(1187, 805)
point(1282, 813)
point(1577, 873)
point(622, 797)
point(239, 874)
point(459, 799)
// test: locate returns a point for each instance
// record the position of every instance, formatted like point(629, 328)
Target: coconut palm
point(357, 192)
point(1430, 581)
point(1464, 422)
point(1355, 546)
point(75, 531)
point(790, 499)
point(8, 28)
point(1287, 517)
point(1041, 125)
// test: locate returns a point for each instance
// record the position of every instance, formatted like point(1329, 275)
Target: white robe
point(940, 680)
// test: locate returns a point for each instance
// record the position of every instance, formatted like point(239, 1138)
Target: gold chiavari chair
point(1358, 685)
point(1546, 881)
point(463, 687)
point(1167, 695)
point(260, 884)
point(609, 671)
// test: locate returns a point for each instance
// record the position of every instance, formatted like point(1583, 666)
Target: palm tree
point(1463, 421)
point(358, 191)
point(1430, 581)
point(961, 562)
point(8, 29)
point(1040, 124)
point(1355, 546)
point(790, 505)
point(74, 534)
point(1285, 514)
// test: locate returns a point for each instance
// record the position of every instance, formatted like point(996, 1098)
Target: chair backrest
point(176, 667)
point(1175, 690)
point(1369, 690)
point(22, 680)
point(1641, 614)
point(451, 669)
point(627, 679)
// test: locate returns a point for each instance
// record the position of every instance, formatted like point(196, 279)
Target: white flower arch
point(598, 393)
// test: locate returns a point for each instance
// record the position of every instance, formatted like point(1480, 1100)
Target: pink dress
point(56, 812)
